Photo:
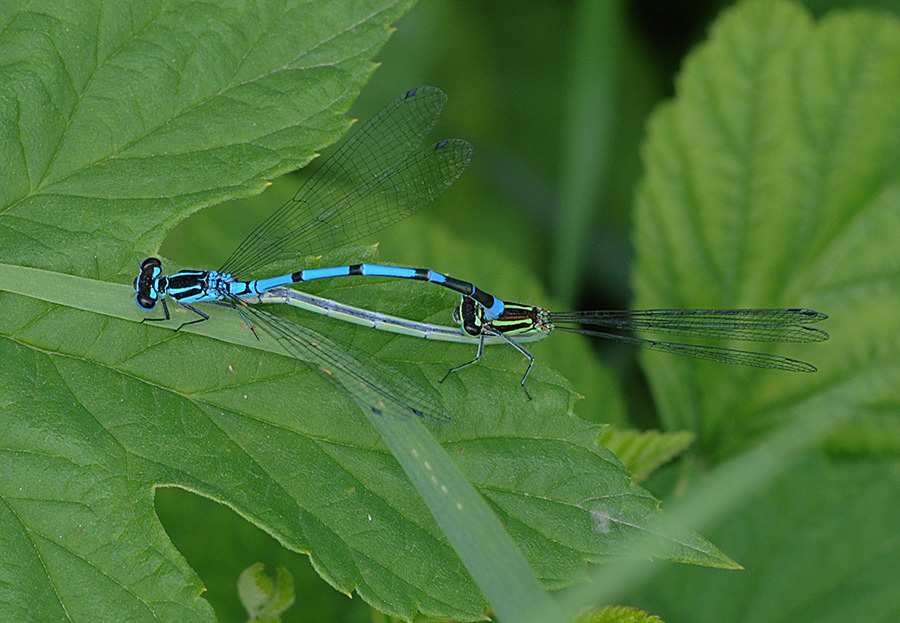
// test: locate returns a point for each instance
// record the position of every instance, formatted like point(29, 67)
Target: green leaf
point(230, 431)
point(114, 126)
point(772, 181)
point(193, 522)
point(616, 614)
point(644, 451)
point(121, 122)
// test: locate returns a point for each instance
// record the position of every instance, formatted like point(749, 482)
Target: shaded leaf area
point(192, 522)
point(773, 181)
point(642, 452)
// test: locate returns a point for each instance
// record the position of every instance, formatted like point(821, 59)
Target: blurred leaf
point(616, 614)
point(644, 451)
point(773, 181)
point(875, 435)
point(820, 544)
point(591, 100)
point(264, 598)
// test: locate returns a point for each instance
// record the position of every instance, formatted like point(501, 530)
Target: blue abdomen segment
point(493, 306)
point(261, 285)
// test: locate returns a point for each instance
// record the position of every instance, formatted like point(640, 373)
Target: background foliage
point(813, 529)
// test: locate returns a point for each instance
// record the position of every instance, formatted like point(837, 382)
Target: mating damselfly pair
point(375, 179)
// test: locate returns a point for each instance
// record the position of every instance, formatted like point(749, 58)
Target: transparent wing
point(752, 325)
point(373, 385)
point(373, 180)
point(710, 353)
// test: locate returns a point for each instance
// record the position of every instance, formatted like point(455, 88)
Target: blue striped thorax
point(186, 286)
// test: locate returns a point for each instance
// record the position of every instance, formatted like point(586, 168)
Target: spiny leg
point(468, 363)
point(165, 310)
point(480, 352)
point(203, 316)
point(527, 355)
point(237, 308)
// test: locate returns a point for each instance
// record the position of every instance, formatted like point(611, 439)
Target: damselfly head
point(145, 283)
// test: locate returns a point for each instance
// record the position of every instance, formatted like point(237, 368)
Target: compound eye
point(145, 301)
point(150, 263)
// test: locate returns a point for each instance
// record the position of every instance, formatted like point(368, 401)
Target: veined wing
point(373, 385)
point(751, 325)
point(373, 180)
point(710, 353)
